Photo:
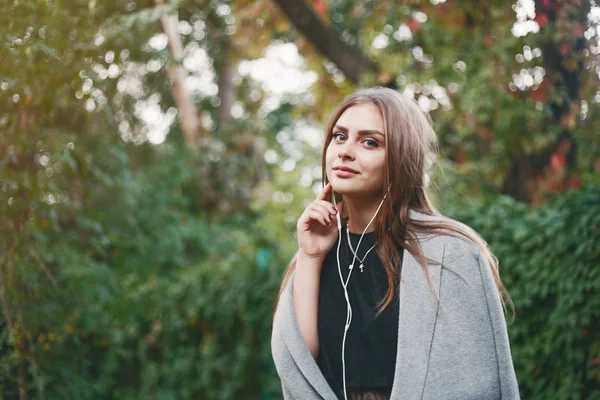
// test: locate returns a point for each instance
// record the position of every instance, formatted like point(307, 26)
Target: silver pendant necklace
point(356, 257)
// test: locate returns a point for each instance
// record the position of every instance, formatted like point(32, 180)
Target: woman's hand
point(317, 227)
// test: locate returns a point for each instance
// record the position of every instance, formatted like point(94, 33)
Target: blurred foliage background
point(154, 158)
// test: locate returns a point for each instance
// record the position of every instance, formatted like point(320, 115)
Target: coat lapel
point(418, 311)
point(298, 351)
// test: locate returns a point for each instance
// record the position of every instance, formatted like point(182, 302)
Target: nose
point(345, 151)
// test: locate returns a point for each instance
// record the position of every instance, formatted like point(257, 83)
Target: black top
point(371, 339)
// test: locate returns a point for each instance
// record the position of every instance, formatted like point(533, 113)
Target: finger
point(309, 216)
point(325, 192)
point(325, 206)
point(316, 215)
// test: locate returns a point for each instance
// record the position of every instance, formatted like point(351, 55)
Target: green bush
point(126, 289)
point(549, 261)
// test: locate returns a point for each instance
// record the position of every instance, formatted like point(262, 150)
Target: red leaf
point(321, 9)
point(541, 19)
point(541, 93)
point(557, 162)
point(488, 39)
point(461, 157)
point(413, 24)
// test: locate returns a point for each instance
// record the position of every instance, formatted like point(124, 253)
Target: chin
point(353, 189)
point(344, 188)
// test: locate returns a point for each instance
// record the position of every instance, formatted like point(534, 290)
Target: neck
point(360, 212)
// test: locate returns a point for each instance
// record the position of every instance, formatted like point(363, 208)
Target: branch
point(350, 60)
point(186, 108)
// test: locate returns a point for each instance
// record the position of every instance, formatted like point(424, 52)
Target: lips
point(347, 169)
point(344, 172)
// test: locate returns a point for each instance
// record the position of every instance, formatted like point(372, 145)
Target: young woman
point(386, 298)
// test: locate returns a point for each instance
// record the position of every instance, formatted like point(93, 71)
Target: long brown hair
point(411, 146)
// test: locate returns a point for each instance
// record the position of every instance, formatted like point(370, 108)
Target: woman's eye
point(339, 136)
point(371, 143)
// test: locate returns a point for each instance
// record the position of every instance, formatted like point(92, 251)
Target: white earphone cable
point(355, 252)
point(345, 285)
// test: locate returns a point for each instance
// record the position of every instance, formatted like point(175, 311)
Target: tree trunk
point(226, 91)
point(186, 108)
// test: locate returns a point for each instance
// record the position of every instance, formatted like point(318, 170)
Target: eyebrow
point(361, 132)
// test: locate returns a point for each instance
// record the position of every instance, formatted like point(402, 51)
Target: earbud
point(338, 216)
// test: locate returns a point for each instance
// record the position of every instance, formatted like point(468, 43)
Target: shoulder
point(455, 246)
point(460, 262)
point(454, 237)
point(451, 244)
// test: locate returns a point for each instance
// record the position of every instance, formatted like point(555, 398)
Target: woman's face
point(355, 157)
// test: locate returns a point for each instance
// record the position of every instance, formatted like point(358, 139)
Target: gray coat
point(455, 349)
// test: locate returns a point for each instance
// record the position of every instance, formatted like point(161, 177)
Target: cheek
point(377, 165)
point(329, 156)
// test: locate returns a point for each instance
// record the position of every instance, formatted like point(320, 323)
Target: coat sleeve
point(470, 356)
point(506, 374)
